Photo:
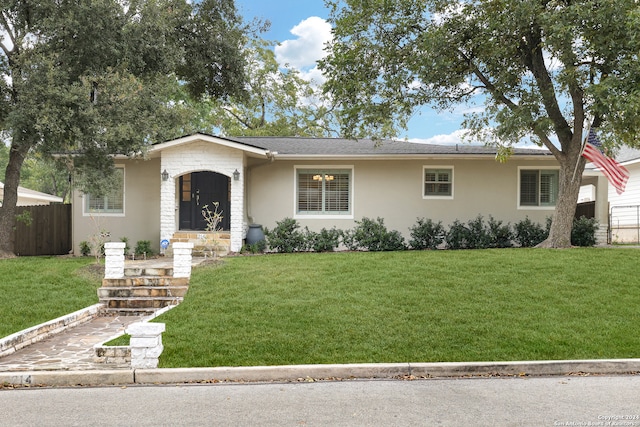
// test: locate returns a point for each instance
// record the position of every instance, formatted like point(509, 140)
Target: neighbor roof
point(32, 196)
point(627, 154)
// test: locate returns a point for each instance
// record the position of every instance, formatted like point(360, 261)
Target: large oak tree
point(279, 102)
point(93, 78)
point(545, 70)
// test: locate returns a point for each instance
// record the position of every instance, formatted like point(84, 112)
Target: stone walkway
point(71, 349)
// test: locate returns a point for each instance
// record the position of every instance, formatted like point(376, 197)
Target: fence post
point(114, 260)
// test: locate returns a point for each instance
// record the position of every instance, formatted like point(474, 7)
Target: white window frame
point(302, 215)
point(536, 207)
point(85, 200)
point(437, 167)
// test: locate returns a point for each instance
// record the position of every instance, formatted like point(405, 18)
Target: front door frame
point(199, 189)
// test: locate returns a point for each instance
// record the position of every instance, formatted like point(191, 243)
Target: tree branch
point(238, 118)
point(531, 52)
point(8, 30)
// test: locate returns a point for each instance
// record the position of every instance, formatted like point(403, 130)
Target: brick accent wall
point(201, 156)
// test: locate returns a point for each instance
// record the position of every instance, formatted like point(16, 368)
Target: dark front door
point(198, 189)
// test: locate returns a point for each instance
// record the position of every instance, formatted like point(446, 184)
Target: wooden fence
point(46, 230)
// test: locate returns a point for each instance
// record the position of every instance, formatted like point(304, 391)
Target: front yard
point(34, 290)
point(411, 306)
point(415, 306)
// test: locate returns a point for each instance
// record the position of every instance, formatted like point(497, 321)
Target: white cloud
point(303, 52)
point(456, 137)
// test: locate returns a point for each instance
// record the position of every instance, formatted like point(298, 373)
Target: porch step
point(205, 243)
point(148, 271)
point(141, 303)
point(131, 282)
point(142, 294)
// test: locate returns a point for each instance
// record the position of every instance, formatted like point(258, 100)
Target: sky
point(301, 28)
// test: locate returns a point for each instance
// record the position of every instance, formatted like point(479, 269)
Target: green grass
point(34, 290)
point(414, 306)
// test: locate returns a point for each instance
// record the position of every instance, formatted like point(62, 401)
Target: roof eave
point(406, 157)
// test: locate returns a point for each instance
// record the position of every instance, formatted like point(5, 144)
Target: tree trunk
point(8, 210)
point(570, 176)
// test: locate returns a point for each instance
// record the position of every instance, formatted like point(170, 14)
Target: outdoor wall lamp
point(165, 175)
point(236, 175)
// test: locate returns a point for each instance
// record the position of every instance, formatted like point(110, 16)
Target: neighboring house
point(322, 183)
point(624, 209)
point(27, 197)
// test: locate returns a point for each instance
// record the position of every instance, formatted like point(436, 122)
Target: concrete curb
point(321, 372)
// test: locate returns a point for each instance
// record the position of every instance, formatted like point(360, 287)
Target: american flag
point(617, 174)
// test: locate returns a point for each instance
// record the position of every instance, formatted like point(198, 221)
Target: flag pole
point(584, 140)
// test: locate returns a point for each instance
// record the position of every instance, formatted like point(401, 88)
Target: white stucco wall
point(393, 191)
point(140, 220)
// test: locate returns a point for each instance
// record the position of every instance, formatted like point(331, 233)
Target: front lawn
point(413, 306)
point(34, 290)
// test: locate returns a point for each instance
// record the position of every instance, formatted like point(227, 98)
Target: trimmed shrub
point(583, 232)
point(127, 249)
point(373, 236)
point(529, 233)
point(255, 248)
point(143, 247)
point(85, 248)
point(426, 234)
point(324, 241)
point(286, 237)
point(478, 234)
point(458, 236)
point(500, 236)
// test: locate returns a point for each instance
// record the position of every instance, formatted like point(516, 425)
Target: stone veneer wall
point(201, 156)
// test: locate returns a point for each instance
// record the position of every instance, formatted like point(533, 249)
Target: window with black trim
point(323, 191)
point(110, 203)
point(538, 187)
point(438, 182)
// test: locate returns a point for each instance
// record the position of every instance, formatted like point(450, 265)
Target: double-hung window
point(324, 191)
point(112, 202)
point(538, 187)
point(438, 182)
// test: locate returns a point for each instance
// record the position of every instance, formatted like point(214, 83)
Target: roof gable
point(202, 137)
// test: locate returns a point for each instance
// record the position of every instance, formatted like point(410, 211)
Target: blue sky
point(300, 27)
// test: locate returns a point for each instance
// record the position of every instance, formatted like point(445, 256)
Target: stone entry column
point(182, 259)
point(146, 344)
point(114, 260)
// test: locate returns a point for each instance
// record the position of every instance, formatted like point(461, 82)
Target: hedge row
point(372, 235)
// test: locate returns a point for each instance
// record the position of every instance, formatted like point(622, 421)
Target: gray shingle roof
point(351, 147)
point(627, 154)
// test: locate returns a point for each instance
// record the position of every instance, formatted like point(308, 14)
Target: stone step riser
point(128, 282)
point(141, 303)
point(142, 291)
point(134, 272)
point(130, 311)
